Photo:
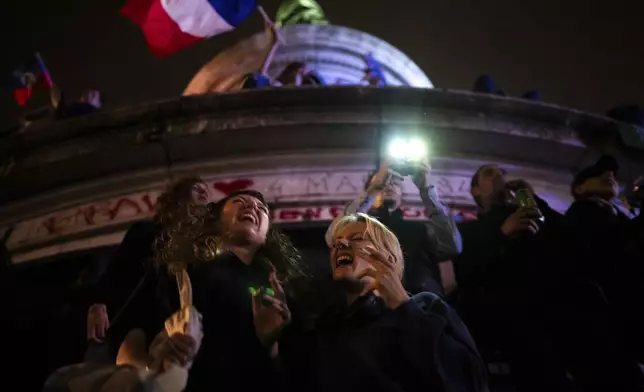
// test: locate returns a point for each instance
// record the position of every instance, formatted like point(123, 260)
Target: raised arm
point(443, 235)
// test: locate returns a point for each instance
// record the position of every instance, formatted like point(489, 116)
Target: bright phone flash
point(407, 150)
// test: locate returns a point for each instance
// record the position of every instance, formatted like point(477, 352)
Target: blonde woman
point(385, 339)
point(428, 246)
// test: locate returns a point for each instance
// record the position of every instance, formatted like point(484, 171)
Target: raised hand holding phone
point(383, 177)
point(420, 177)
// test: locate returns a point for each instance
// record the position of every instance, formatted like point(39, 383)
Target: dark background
point(578, 53)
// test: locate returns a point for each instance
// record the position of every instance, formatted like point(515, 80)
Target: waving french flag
point(171, 25)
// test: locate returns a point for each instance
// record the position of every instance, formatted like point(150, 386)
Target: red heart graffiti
point(227, 187)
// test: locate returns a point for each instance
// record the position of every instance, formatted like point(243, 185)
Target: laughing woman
point(383, 339)
point(238, 289)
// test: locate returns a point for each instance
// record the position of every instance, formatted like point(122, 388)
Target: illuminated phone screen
point(254, 291)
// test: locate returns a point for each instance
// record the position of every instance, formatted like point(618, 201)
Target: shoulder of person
point(431, 303)
point(144, 228)
point(584, 207)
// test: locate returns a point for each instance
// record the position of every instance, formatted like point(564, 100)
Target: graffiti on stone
point(328, 213)
point(78, 219)
point(316, 186)
point(309, 189)
point(346, 186)
point(275, 188)
point(228, 187)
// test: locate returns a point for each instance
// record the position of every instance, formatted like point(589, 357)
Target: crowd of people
point(300, 74)
point(556, 294)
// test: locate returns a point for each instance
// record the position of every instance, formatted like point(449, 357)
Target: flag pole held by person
point(278, 40)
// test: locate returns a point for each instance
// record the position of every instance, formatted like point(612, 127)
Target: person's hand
point(180, 349)
point(181, 338)
point(522, 220)
point(270, 314)
point(383, 177)
point(97, 322)
point(515, 185)
point(386, 274)
point(421, 176)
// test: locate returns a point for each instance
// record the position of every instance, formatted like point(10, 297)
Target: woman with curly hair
point(240, 289)
point(132, 286)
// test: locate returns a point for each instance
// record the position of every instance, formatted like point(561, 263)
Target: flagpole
point(278, 39)
point(269, 59)
point(44, 70)
point(269, 22)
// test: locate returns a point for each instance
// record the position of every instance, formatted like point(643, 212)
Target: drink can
point(525, 200)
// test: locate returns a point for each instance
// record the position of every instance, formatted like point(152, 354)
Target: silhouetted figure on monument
point(485, 84)
point(374, 75)
point(256, 80)
point(533, 95)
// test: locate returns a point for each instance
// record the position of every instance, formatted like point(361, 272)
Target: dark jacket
point(603, 236)
point(136, 293)
point(231, 357)
point(420, 346)
point(608, 245)
point(512, 268)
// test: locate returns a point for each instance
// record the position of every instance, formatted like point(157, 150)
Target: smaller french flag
point(32, 76)
point(172, 25)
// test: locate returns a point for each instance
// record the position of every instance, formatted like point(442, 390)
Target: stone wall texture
point(58, 166)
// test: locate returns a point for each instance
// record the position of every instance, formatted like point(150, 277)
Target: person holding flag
point(374, 74)
point(241, 66)
point(33, 76)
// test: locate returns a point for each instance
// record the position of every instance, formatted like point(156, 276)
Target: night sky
point(578, 54)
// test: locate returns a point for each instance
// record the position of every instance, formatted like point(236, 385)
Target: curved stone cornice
point(68, 160)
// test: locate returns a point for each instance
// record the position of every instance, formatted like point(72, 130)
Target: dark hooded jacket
point(420, 346)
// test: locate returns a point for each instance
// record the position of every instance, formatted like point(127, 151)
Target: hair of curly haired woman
point(278, 252)
point(181, 220)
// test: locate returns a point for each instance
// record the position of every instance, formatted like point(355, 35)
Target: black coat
point(517, 269)
point(136, 293)
point(231, 357)
point(420, 346)
point(606, 243)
